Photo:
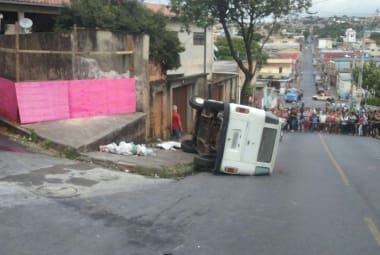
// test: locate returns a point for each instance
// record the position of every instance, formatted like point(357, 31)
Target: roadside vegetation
point(375, 37)
point(334, 31)
point(375, 101)
point(224, 52)
point(371, 82)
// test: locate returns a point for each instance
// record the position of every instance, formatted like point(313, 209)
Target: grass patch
point(70, 154)
point(178, 171)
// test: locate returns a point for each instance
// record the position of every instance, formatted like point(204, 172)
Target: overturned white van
point(232, 138)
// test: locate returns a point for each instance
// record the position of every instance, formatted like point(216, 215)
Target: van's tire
point(214, 105)
point(188, 146)
point(196, 103)
point(203, 163)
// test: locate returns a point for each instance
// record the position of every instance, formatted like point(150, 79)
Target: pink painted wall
point(55, 100)
point(42, 101)
point(103, 97)
point(8, 100)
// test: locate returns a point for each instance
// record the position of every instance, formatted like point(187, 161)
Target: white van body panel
point(244, 138)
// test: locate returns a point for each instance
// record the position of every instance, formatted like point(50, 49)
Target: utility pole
point(360, 76)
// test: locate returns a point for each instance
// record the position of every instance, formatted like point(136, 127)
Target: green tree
point(333, 31)
point(224, 52)
point(375, 37)
point(243, 15)
point(130, 16)
point(371, 77)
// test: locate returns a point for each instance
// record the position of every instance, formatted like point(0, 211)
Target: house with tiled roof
point(41, 12)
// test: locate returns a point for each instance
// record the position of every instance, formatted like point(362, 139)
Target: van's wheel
point(188, 146)
point(196, 103)
point(214, 105)
point(203, 163)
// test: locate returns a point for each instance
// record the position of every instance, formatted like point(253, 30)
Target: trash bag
point(171, 145)
point(125, 148)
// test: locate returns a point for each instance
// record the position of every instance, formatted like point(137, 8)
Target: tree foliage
point(126, 15)
point(371, 77)
point(224, 52)
point(333, 31)
point(375, 37)
point(244, 15)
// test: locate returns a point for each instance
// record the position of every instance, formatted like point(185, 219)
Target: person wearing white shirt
point(322, 121)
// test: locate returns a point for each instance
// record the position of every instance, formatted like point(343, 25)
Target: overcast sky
point(333, 7)
point(345, 7)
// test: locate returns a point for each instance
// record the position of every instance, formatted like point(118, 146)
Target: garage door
point(157, 120)
point(180, 99)
point(217, 93)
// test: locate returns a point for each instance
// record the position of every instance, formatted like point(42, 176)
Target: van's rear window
point(268, 140)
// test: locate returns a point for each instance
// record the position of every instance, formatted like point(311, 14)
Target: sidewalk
point(83, 136)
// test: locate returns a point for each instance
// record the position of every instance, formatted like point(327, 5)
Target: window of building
point(198, 38)
point(280, 70)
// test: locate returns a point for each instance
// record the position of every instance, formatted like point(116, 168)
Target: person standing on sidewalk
point(176, 124)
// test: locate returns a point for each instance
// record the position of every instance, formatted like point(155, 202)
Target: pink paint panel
point(102, 97)
point(42, 101)
point(8, 100)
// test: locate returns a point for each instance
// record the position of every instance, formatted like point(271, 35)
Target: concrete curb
point(160, 167)
point(166, 164)
point(15, 128)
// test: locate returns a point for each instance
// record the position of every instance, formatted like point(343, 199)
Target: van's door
point(252, 141)
point(234, 139)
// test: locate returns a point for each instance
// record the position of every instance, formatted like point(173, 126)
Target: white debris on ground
point(125, 148)
point(130, 148)
point(170, 145)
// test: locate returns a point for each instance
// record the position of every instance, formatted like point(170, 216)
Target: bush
point(373, 101)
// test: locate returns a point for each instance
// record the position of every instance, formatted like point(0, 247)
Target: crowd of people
point(336, 120)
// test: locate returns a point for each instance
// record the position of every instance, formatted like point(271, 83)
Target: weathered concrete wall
point(141, 64)
point(101, 65)
point(37, 66)
point(71, 64)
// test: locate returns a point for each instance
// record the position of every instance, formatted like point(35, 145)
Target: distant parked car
point(291, 95)
point(323, 97)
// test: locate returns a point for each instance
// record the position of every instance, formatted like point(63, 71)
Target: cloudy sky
point(333, 7)
point(345, 7)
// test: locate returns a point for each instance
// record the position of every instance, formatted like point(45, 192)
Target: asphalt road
point(321, 199)
point(8, 145)
point(307, 79)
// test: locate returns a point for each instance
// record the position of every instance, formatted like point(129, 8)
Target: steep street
point(322, 198)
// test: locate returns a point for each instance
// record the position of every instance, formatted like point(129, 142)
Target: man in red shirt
point(176, 124)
